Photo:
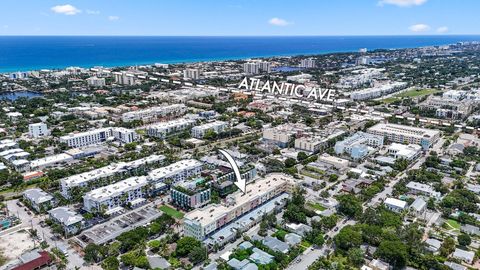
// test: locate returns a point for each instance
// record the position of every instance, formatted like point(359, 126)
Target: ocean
point(25, 53)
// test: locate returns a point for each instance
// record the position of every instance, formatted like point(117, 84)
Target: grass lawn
point(390, 100)
point(417, 93)
point(316, 206)
point(305, 244)
point(452, 224)
point(171, 212)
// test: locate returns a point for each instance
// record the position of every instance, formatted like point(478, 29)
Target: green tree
point(355, 256)
point(393, 252)
point(348, 238)
point(349, 205)
point(110, 263)
point(464, 239)
point(186, 244)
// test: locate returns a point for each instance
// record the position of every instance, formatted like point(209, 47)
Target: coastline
point(199, 54)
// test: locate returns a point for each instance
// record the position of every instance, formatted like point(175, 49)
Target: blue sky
point(239, 17)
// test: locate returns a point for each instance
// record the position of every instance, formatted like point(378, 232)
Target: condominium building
point(163, 129)
point(203, 222)
point(402, 151)
point(111, 198)
point(96, 82)
point(200, 131)
point(191, 73)
point(357, 145)
point(446, 107)
point(124, 135)
point(176, 172)
point(189, 195)
point(282, 134)
point(154, 113)
point(406, 134)
point(256, 67)
point(378, 91)
point(310, 144)
point(98, 136)
point(37, 130)
point(89, 180)
point(307, 63)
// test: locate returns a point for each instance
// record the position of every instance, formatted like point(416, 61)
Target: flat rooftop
point(255, 189)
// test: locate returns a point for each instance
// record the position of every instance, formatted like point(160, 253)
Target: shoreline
point(185, 60)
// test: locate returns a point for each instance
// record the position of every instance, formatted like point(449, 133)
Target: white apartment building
point(37, 130)
point(307, 63)
point(128, 77)
point(203, 222)
point(98, 136)
point(256, 67)
point(161, 130)
point(152, 114)
point(89, 179)
point(395, 205)
point(200, 131)
point(402, 151)
point(310, 144)
point(124, 135)
point(96, 82)
point(406, 134)
point(335, 162)
point(423, 189)
point(113, 197)
point(191, 73)
point(377, 91)
point(178, 171)
point(282, 134)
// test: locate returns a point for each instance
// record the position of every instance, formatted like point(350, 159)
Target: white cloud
point(402, 3)
point(66, 9)
point(113, 18)
point(442, 29)
point(419, 27)
point(92, 12)
point(278, 22)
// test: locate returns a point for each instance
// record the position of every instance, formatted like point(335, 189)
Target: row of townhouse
point(152, 114)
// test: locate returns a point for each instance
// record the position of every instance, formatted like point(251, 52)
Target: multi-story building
point(406, 134)
point(163, 129)
point(111, 198)
point(423, 189)
point(176, 172)
point(307, 63)
point(124, 135)
point(96, 82)
point(200, 131)
point(446, 107)
point(282, 134)
point(402, 151)
point(378, 91)
point(128, 77)
point(205, 221)
point(98, 136)
point(92, 179)
point(256, 67)
point(356, 145)
point(191, 73)
point(189, 195)
point(71, 222)
point(154, 113)
point(37, 130)
point(38, 199)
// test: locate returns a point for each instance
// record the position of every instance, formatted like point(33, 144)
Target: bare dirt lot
point(15, 244)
